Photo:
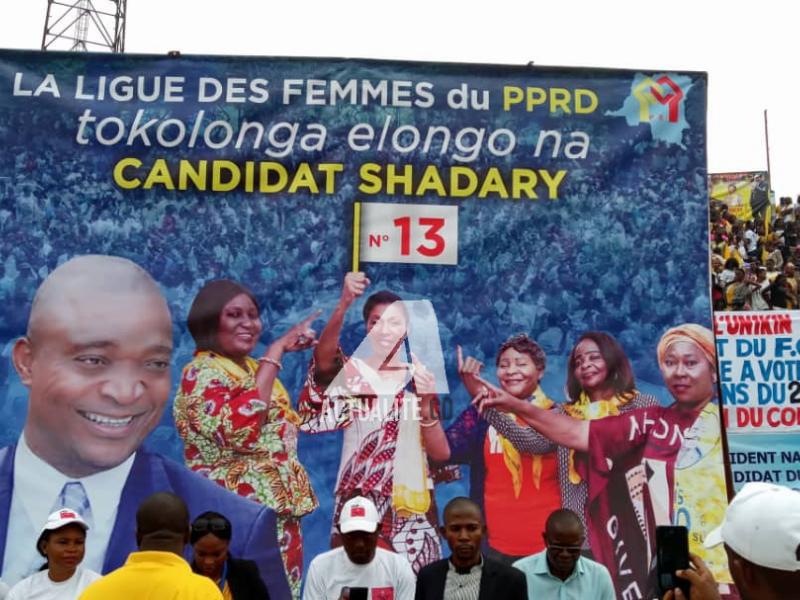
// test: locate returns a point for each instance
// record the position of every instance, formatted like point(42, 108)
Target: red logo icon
point(671, 99)
point(358, 511)
point(662, 91)
point(385, 593)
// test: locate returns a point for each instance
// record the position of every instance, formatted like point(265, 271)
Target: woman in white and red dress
point(389, 422)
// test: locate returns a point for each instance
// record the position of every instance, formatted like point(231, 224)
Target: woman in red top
point(516, 490)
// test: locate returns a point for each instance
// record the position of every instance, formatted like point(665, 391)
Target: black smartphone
point(672, 554)
point(355, 593)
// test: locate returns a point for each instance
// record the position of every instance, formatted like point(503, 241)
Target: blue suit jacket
point(254, 531)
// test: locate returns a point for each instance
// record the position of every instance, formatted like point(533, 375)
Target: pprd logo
point(663, 92)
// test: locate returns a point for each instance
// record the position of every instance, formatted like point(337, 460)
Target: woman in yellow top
point(236, 418)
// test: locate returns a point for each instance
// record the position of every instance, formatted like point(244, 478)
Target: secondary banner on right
point(745, 194)
point(759, 368)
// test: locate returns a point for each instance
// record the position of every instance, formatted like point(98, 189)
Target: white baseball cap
point(59, 519)
point(762, 525)
point(62, 517)
point(358, 514)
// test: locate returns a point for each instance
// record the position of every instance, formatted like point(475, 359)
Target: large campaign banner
point(746, 194)
point(760, 382)
point(505, 234)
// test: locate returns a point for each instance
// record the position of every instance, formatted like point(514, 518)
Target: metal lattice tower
point(83, 25)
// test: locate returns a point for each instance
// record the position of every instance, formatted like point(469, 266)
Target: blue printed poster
point(518, 236)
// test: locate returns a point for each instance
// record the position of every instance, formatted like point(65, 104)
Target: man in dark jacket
point(467, 575)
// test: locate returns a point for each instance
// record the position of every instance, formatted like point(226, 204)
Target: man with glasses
point(559, 571)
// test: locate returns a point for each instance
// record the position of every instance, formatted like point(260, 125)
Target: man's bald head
point(83, 278)
point(96, 362)
point(462, 503)
point(162, 523)
point(562, 520)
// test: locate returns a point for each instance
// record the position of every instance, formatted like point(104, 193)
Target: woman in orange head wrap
point(688, 363)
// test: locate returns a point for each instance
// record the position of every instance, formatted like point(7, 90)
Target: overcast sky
point(746, 47)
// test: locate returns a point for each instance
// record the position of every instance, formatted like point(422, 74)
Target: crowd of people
point(359, 569)
point(755, 264)
point(760, 534)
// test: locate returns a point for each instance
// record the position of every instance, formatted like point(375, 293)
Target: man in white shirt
point(760, 287)
point(96, 361)
point(751, 238)
point(359, 570)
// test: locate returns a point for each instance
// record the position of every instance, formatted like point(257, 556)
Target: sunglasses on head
point(210, 524)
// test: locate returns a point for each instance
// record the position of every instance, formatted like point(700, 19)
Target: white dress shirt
point(36, 488)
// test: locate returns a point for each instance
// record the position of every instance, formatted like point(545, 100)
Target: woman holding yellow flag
point(384, 401)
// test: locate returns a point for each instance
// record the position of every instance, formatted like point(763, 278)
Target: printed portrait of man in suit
point(96, 362)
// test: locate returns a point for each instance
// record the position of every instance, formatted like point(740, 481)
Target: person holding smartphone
point(701, 582)
point(761, 536)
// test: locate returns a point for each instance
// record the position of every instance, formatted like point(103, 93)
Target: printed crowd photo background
point(546, 201)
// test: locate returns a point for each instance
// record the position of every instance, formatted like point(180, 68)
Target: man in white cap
point(761, 533)
point(359, 570)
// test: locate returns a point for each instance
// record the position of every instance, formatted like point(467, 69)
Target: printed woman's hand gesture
point(491, 396)
point(469, 369)
point(300, 336)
